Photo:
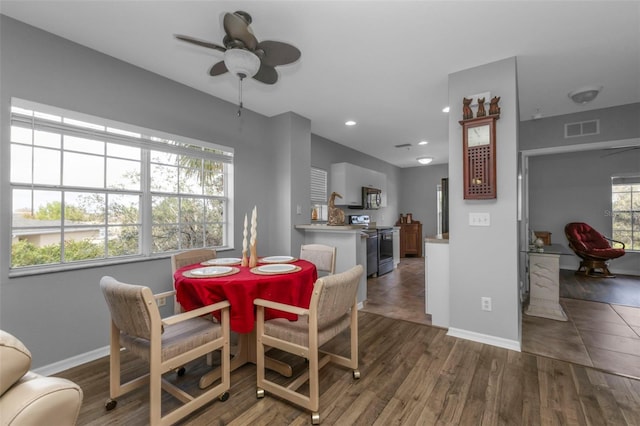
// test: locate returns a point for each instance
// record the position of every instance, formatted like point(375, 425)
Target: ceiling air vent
point(582, 128)
point(404, 145)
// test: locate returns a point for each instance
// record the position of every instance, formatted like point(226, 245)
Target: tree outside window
point(625, 210)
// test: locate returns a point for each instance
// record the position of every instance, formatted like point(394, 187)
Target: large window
point(625, 209)
point(87, 190)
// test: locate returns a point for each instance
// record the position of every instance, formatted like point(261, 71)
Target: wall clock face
point(478, 136)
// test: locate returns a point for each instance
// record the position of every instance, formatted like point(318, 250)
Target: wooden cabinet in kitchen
point(410, 239)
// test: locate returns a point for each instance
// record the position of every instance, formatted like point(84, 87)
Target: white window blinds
point(318, 186)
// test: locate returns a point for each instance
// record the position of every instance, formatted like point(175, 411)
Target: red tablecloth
point(242, 288)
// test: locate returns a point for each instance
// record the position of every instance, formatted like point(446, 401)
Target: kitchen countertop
point(437, 239)
point(331, 228)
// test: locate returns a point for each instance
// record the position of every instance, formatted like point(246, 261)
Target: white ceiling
point(382, 63)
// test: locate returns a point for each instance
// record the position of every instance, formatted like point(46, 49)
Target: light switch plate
point(479, 219)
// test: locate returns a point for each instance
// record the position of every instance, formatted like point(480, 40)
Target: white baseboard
point(360, 305)
point(513, 345)
point(74, 361)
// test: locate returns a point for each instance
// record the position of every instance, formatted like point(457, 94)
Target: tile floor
point(600, 335)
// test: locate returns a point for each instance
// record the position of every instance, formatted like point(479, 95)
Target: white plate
point(276, 268)
point(223, 261)
point(211, 271)
point(276, 259)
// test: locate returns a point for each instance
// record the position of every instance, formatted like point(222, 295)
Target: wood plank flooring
point(411, 374)
point(400, 293)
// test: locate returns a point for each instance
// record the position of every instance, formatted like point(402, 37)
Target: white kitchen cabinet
point(348, 179)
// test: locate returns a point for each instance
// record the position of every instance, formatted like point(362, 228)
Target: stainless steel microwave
point(371, 198)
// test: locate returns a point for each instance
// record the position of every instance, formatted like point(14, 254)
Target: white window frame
point(147, 140)
point(626, 180)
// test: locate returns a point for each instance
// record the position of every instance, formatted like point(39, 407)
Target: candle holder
point(253, 260)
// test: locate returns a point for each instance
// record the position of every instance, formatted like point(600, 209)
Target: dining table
point(290, 282)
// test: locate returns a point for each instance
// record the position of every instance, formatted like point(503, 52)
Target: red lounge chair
point(593, 248)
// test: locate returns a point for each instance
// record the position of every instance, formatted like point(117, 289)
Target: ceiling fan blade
point(200, 42)
point(236, 25)
point(217, 69)
point(266, 74)
point(278, 53)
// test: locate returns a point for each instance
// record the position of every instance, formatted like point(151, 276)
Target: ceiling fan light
point(424, 160)
point(241, 62)
point(585, 94)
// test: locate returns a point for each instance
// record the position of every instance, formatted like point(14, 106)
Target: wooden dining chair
point(164, 344)
point(189, 257)
point(323, 256)
point(333, 309)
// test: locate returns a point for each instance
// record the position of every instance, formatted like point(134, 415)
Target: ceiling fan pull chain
point(240, 96)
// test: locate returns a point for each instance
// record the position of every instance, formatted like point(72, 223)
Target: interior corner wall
point(292, 182)
point(61, 315)
point(484, 260)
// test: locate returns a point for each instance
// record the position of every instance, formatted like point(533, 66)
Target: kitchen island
point(351, 248)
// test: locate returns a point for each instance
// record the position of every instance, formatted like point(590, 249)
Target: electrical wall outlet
point(162, 301)
point(486, 303)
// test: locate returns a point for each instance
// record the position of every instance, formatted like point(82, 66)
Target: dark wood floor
point(400, 293)
point(411, 374)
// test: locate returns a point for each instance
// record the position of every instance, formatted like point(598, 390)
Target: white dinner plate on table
point(276, 268)
point(211, 271)
point(223, 261)
point(277, 259)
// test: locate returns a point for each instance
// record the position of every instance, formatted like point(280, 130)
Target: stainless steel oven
point(379, 246)
point(385, 250)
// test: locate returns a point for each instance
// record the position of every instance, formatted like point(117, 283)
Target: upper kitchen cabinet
point(348, 179)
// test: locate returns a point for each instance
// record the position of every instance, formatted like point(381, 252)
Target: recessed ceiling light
point(445, 109)
point(424, 160)
point(423, 143)
point(350, 123)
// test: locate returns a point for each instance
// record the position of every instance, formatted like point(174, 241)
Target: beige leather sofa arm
point(27, 398)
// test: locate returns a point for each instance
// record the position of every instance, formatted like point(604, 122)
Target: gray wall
point(418, 194)
point(484, 260)
point(61, 315)
point(616, 123)
point(576, 187)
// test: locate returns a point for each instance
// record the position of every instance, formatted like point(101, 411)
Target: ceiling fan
point(244, 56)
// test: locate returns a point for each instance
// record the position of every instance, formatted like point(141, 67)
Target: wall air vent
point(581, 128)
point(404, 145)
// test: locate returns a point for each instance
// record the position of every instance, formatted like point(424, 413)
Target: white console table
point(544, 283)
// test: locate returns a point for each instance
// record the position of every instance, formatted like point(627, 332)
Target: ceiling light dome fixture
point(424, 160)
point(585, 94)
point(242, 63)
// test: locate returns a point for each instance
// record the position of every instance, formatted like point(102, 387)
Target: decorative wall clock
point(479, 157)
